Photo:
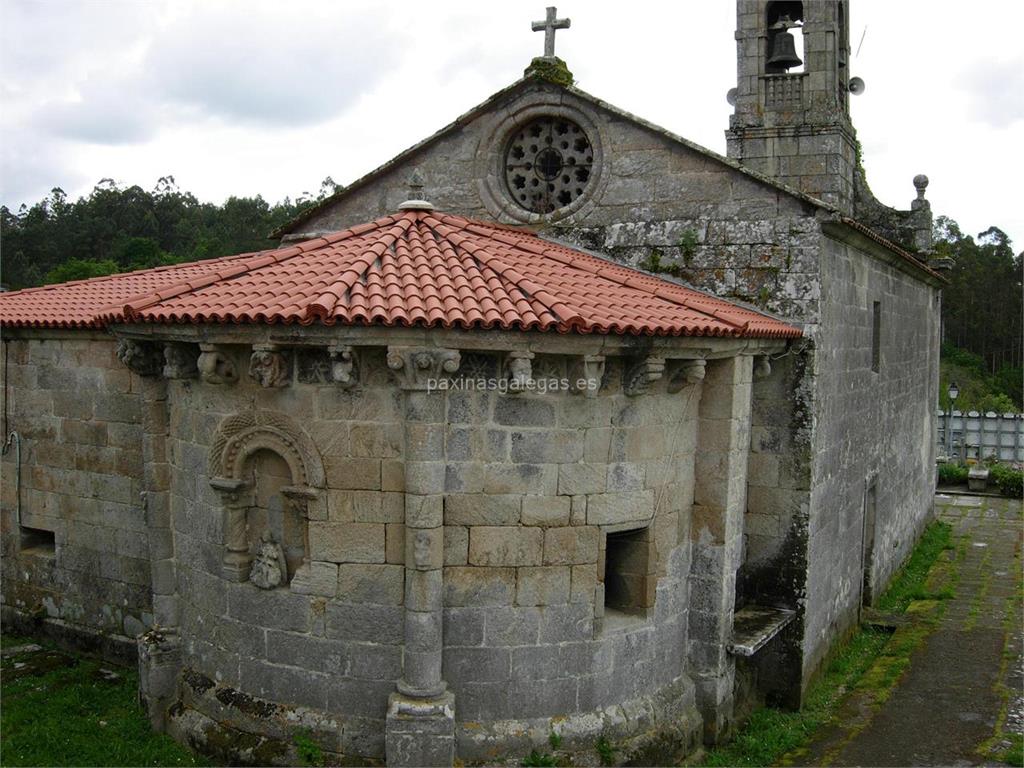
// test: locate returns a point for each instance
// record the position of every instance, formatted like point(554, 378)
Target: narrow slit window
point(876, 336)
point(36, 541)
point(628, 581)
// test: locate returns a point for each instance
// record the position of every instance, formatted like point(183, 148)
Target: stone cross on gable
point(549, 25)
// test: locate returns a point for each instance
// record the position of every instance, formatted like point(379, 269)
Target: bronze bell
point(784, 50)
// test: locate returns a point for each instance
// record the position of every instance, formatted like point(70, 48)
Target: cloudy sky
point(254, 97)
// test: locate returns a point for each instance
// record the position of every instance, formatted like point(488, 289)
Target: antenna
point(861, 43)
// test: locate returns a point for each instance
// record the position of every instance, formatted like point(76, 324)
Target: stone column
point(716, 530)
point(160, 648)
point(237, 558)
point(420, 727)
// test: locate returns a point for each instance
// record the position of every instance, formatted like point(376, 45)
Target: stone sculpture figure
point(269, 368)
point(269, 569)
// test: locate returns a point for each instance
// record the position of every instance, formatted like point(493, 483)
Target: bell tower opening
point(785, 49)
point(791, 119)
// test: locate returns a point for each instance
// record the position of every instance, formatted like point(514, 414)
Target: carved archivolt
point(241, 436)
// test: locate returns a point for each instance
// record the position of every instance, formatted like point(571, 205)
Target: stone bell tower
point(792, 100)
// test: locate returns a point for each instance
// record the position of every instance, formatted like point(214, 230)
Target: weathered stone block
point(365, 622)
point(463, 626)
point(482, 509)
point(546, 510)
point(584, 582)
point(478, 665)
point(370, 583)
point(273, 609)
point(618, 508)
point(392, 475)
point(505, 546)
point(523, 411)
point(571, 545)
point(553, 446)
point(394, 543)
point(477, 587)
point(347, 542)
point(575, 479)
point(318, 579)
point(456, 545)
point(546, 585)
point(376, 440)
point(521, 478)
point(355, 474)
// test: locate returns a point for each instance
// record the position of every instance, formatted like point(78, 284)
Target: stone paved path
point(960, 679)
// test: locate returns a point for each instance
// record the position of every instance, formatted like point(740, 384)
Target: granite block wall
point(85, 561)
point(852, 450)
point(533, 484)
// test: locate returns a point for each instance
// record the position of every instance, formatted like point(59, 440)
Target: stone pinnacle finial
point(548, 26)
point(416, 201)
point(920, 184)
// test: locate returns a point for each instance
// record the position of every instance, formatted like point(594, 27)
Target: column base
point(159, 667)
point(236, 567)
point(420, 732)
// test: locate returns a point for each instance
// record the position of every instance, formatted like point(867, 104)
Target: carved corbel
point(519, 370)
point(269, 366)
point(685, 373)
point(637, 378)
point(588, 373)
point(416, 367)
point(180, 361)
point(141, 357)
point(762, 367)
point(216, 367)
point(344, 366)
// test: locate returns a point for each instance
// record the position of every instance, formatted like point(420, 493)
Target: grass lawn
point(67, 709)
point(771, 733)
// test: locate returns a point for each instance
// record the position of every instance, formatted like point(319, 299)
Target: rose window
point(548, 164)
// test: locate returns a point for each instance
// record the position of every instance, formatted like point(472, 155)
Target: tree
point(982, 306)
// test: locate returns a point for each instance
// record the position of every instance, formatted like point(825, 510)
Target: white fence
point(980, 435)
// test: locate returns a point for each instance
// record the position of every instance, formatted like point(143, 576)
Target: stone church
point(590, 431)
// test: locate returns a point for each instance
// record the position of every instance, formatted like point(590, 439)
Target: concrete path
point(964, 681)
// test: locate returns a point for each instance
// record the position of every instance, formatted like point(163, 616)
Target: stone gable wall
point(703, 221)
point(78, 411)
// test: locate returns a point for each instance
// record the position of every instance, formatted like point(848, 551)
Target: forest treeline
point(117, 228)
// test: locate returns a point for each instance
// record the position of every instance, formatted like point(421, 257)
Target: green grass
point(771, 733)
point(64, 710)
point(910, 580)
point(1015, 754)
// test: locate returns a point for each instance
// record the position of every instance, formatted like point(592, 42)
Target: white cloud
point(264, 98)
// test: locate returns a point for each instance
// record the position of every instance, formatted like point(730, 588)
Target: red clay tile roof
point(416, 267)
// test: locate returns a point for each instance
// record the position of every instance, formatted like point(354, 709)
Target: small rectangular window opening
point(876, 336)
point(36, 541)
point(629, 584)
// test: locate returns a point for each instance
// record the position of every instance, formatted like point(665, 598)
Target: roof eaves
point(904, 256)
point(665, 295)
